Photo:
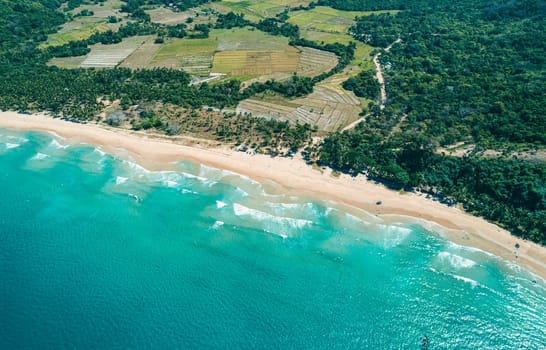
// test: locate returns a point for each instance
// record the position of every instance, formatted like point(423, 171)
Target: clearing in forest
point(103, 56)
point(192, 55)
point(256, 10)
point(329, 106)
point(327, 19)
point(83, 27)
point(163, 15)
point(108, 56)
point(326, 25)
point(244, 53)
point(169, 16)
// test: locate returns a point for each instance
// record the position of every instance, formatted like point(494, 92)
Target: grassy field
point(193, 55)
point(107, 8)
point(67, 62)
point(247, 39)
point(328, 19)
point(255, 10)
point(164, 15)
point(326, 25)
point(81, 28)
point(362, 52)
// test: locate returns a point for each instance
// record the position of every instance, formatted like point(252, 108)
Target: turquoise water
point(98, 253)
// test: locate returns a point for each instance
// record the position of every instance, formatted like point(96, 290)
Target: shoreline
point(294, 176)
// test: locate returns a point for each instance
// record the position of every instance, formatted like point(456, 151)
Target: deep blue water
point(97, 252)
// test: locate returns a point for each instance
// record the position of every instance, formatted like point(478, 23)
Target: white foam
point(191, 176)
point(137, 168)
point(167, 177)
point(241, 210)
point(135, 197)
point(220, 204)
point(283, 235)
point(121, 180)
point(472, 282)
point(185, 191)
point(12, 145)
point(170, 183)
point(56, 144)
point(456, 261)
point(99, 151)
point(13, 138)
point(217, 224)
point(57, 136)
point(39, 156)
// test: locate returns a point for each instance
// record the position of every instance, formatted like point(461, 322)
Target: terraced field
point(330, 107)
point(313, 62)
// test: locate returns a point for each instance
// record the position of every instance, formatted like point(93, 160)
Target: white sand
point(296, 177)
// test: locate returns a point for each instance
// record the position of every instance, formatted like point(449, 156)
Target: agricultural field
point(314, 62)
point(193, 55)
point(165, 15)
point(103, 56)
point(328, 19)
point(67, 62)
point(81, 28)
point(362, 51)
point(108, 56)
point(143, 55)
point(246, 62)
point(247, 39)
point(329, 107)
point(326, 25)
point(243, 53)
point(255, 10)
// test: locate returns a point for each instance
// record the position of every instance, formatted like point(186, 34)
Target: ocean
point(97, 252)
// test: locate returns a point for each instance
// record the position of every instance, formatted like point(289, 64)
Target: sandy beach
point(296, 177)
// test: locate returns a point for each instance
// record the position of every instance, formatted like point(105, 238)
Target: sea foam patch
point(56, 145)
point(39, 156)
point(260, 216)
point(456, 261)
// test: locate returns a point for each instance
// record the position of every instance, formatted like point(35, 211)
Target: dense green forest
point(464, 71)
